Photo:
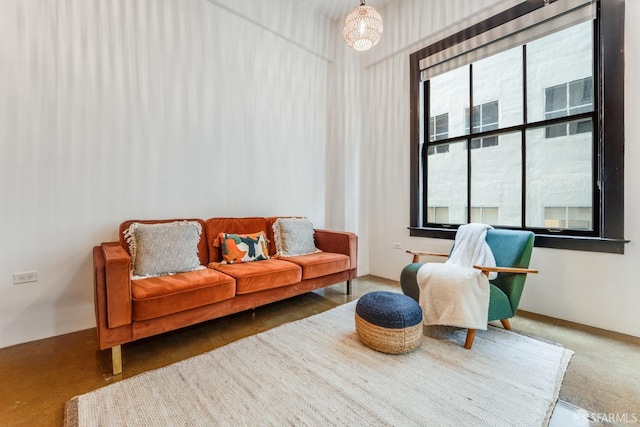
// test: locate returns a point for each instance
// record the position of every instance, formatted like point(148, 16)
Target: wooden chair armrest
point(418, 254)
point(486, 270)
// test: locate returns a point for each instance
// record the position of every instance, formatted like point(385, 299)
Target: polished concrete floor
point(37, 378)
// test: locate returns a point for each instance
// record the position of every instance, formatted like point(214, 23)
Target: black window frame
point(609, 133)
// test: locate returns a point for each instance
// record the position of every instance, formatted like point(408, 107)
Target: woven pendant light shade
point(362, 28)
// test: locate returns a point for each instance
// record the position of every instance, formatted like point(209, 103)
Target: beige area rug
point(316, 372)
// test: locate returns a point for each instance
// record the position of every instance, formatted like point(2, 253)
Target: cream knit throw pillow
point(163, 248)
point(293, 237)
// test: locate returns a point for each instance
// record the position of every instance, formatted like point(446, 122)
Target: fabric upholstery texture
point(499, 304)
point(409, 280)
point(294, 237)
point(511, 248)
point(215, 226)
point(243, 247)
point(320, 264)
point(258, 276)
point(108, 335)
point(159, 249)
point(117, 267)
point(158, 296)
point(347, 244)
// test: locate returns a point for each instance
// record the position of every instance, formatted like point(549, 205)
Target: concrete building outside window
point(517, 153)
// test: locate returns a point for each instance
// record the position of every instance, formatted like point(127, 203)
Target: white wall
point(596, 289)
point(115, 110)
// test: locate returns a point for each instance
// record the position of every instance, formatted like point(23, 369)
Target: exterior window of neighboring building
point(537, 95)
point(439, 214)
point(438, 130)
point(439, 127)
point(485, 215)
point(485, 118)
point(565, 100)
point(577, 217)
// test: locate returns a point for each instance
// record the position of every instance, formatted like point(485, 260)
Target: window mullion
point(469, 166)
point(597, 214)
point(523, 140)
point(424, 152)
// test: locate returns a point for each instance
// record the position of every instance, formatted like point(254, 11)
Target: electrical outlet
point(26, 277)
point(397, 245)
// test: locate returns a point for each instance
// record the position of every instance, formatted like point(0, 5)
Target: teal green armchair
point(512, 252)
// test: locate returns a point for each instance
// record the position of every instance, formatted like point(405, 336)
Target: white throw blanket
point(455, 293)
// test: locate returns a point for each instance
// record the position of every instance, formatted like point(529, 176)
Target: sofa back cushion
point(215, 226)
point(203, 251)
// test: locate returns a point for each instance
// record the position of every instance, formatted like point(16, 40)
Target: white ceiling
point(338, 9)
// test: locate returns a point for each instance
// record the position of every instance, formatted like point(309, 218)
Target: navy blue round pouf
point(389, 322)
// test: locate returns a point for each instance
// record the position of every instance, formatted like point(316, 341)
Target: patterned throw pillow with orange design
point(243, 247)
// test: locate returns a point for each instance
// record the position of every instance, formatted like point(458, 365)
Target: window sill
point(576, 243)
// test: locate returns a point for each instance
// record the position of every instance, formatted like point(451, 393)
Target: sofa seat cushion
point(320, 264)
point(158, 296)
point(260, 275)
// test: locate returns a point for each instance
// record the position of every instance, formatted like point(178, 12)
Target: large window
point(525, 145)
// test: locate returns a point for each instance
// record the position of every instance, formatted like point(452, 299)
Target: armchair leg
point(348, 287)
point(116, 359)
point(506, 324)
point(471, 335)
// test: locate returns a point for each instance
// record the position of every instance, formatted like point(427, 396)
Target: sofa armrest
point(118, 284)
point(340, 242)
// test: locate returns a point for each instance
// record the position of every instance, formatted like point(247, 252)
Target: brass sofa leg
point(471, 335)
point(116, 359)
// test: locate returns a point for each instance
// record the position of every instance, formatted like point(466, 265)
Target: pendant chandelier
point(362, 27)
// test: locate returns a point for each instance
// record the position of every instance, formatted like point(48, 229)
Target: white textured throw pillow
point(293, 237)
point(163, 248)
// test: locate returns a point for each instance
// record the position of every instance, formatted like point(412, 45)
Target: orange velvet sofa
point(130, 309)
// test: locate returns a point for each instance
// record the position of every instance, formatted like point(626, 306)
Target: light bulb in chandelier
point(362, 27)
